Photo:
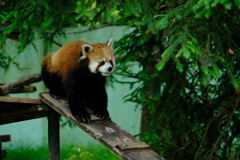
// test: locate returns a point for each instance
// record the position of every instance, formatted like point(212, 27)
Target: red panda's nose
point(110, 69)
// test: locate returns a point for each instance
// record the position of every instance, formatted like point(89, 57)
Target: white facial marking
point(106, 69)
point(93, 67)
point(104, 59)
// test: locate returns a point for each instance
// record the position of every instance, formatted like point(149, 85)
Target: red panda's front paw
point(102, 114)
point(55, 96)
point(85, 118)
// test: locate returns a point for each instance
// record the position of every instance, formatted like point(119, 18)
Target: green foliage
point(5, 61)
point(189, 69)
point(91, 152)
point(27, 17)
point(162, 23)
point(188, 55)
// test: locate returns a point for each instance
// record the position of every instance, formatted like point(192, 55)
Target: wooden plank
point(5, 138)
point(20, 100)
point(24, 113)
point(106, 132)
point(147, 154)
point(132, 146)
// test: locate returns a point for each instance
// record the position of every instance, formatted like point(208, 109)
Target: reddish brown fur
point(66, 57)
point(100, 50)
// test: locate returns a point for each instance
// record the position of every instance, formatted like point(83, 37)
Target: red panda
point(77, 72)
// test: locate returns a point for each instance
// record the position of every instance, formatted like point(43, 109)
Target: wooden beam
point(23, 113)
point(5, 138)
point(20, 100)
point(25, 89)
point(18, 84)
point(105, 132)
point(53, 136)
point(132, 146)
point(14, 109)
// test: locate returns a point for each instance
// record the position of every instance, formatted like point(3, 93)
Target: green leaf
point(221, 60)
point(205, 70)
point(227, 5)
point(186, 53)
point(160, 65)
point(168, 132)
point(179, 53)
point(45, 5)
point(9, 15)
point(204, 80)
point(2, 17)
point(235, 84)
point(10, 28)
point(199, 14)
point(216, 71)
point(237, 2)
point(188, 12)
point(166, 54)
point(179, 67)
point(2, 37)
point(186, 137)
point(208, 13)
point(194, 48)
point(162, 23)
point(178, 16)
point(46, 24)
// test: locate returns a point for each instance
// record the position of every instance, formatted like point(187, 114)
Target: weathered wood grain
point(24, 112)
point(1, 151)
point(53, 136)
point(17, 85)
point(20, 100)
point(132, 146)
point(106, 132)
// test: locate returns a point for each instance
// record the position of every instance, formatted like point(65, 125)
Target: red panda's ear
point(85, 49)
point(110, 43)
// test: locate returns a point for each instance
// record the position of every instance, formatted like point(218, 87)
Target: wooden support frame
point(14, 109)
point(106, 132)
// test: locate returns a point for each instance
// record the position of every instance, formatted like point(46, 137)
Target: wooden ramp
point(106, 132)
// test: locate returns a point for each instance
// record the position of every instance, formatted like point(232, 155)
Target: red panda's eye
point(102, 62)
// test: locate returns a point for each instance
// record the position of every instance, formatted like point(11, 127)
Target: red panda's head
point(100, 57)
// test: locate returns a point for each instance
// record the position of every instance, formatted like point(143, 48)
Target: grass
point(94, 152)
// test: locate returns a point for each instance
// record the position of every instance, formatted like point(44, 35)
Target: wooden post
point(0, 150)
point(53, 136)
point(4, 138)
